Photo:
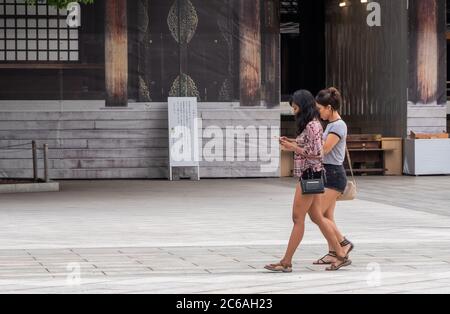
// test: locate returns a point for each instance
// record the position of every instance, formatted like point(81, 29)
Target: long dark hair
point(330, 97)
point(308, 110)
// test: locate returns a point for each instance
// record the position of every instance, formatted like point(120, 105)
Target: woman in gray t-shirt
point(335, 139)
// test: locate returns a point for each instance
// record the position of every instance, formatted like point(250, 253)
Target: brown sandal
point(347, 243)
point(345, 261)
point(279, 268)
point(322, 260)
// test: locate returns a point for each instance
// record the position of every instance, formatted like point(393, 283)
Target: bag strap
point(350, 164)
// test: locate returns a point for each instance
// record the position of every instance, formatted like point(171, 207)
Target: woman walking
point(335, 142)
point(308, 149)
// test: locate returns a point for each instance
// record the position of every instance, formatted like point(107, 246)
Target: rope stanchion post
point(35, 162)
point(46, 177)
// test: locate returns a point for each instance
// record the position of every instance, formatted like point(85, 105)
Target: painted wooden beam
point(116, 53)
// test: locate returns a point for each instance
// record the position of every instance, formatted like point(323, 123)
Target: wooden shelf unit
point(367, 154)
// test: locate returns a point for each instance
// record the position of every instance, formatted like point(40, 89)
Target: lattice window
point(36, 33)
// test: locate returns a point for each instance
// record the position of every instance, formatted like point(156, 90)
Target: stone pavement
point(215, 236)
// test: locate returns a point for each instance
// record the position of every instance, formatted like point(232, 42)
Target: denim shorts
point(336, 178)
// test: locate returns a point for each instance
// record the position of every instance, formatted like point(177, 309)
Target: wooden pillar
point(116, 53)
point(250, 52)
point(427, 51)
point(427, 92)
point(272, 53)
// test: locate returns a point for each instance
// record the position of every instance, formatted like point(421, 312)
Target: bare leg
point(328, 206)
point(302, 204)
point(331, 197)
point(326, 226)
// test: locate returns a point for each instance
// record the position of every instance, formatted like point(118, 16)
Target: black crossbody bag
point(311, 185)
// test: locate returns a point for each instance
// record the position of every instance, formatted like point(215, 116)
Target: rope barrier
point(19, 145)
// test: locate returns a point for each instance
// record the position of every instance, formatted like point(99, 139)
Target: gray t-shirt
point(337, 155)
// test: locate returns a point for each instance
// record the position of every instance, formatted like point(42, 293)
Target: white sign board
point(183, 133)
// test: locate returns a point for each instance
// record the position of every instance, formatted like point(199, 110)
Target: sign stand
point(183, 135)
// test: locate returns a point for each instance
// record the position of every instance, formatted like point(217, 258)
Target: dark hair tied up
point(330, 97)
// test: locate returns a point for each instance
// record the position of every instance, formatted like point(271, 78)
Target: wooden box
point(427, 157)
point(287, 164)
point(393, 154)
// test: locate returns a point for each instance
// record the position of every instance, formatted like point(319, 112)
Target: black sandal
point(344, 263)
point(322, 260)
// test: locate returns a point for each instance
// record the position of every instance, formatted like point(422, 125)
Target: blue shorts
point(336, 178)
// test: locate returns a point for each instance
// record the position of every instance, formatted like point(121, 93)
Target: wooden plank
point(241, 152)
point(46, 125)
point(248, 143)
point(128, 143)
point(19, 164)
point(253, 173)
point(367, 150)
point(427, 129)
point(427, 111)
point(16, 173)
point(122, 173)
point(258, 117)
point(116, 53)
point(238, 164)
point(134, 162)
point(43, 135)
point(137, 162)
point(109, 163)
point(214, 172)
point(130, 124)
point(156, 114)
point(241, 115)
point(242, 123)
point(109, 153)
point(131, 163)
point(424, 122)
point(51, 143)
point(52, 66)
point(136, 173)
point(89, 153)
point(83, 134)
point(368, 170)
point(233, 132)
point(84, 115)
